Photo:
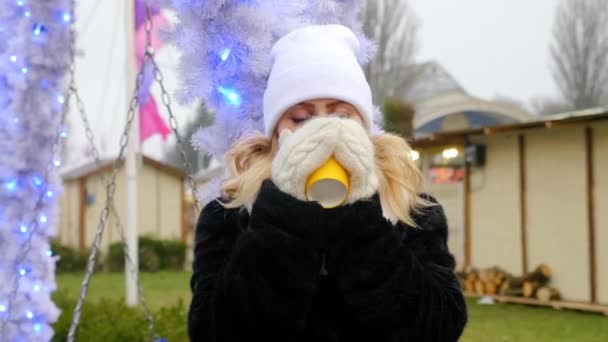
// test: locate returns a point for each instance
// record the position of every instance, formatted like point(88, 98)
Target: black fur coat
point(257, 277)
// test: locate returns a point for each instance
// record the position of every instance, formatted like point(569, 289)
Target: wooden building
point(540, 196)
point(161, 203)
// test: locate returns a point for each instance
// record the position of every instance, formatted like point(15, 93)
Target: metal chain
point(111, 185)
point(166, 99)
point(119, 227)
point(110, 190)
point(33, 224)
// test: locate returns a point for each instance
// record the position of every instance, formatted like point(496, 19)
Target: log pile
point(496, 281)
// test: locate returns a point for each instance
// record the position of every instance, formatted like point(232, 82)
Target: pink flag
point(150, 121)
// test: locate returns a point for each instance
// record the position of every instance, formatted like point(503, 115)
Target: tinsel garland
point(225, 57)
point(35, 40)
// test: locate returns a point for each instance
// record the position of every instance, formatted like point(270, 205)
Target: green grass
point(511, 322)
point(500, 322)
point(160, 289)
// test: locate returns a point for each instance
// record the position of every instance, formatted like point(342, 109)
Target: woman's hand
point(306, 149)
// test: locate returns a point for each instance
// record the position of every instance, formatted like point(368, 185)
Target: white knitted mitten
point(302, 152)
point(355, 151)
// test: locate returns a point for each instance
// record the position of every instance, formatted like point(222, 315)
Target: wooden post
point(82, 187)
point(183, 206)
point(591, 212)
point(521, 142)
point(467, 211)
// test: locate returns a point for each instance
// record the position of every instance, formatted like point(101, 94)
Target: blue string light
point(37, 180)
point(38, 29)
point(11, 185)
point(225, 54)
point(230, 95)
point(27, 63)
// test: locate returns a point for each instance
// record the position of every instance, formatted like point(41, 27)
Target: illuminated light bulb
point(23, 228)
point(27, 14)
point(37, 181)
point(29, 315)
point(450, 153)
point(37, 327)
point(49, 253)
point(14, 59)
point(22, 271)
point(24, 70)
point(2, 308)
point(49, 194)
point(225, 54)
point(60, 99)
point(11, 185)
point(415, 155)
point(20, 3)
point(38, 28)
point(67, 17)
point(57, 162)
point(232, 96)
point(42, 218)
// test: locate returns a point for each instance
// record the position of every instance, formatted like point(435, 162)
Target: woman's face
point(303, 111)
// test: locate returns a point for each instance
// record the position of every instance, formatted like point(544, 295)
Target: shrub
point(70, 260)
point(398, 117)
point(150, 251)
point(115, 261)
point(154, 255)
point(111, 320)
point(173, 255)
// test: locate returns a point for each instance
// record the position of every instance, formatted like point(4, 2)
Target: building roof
point(438, 95)
point(549, 121)
point(90, 168)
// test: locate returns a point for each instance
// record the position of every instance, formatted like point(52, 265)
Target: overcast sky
point(492, 47)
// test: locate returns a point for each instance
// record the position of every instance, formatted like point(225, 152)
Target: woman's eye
point(298, 120)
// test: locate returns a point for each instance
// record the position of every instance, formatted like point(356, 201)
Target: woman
point(271, 266)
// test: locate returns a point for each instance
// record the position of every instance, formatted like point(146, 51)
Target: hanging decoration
point(225, 55)
point(35, 55)
point(225, 58)
point(150, 120)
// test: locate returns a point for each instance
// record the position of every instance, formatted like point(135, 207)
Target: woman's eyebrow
point(336, 103)
point(305, 104)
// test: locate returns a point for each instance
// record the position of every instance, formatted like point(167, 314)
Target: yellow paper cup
point(329, 184)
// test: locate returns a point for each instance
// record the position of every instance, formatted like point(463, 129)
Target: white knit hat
point(316, 62)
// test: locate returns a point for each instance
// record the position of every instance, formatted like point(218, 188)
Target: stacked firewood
point(496, 281)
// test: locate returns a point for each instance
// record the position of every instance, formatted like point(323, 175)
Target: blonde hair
point(249, 163)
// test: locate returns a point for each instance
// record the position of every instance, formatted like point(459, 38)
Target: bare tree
point(394, 27)
point(548, 106)
point(580, 52)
